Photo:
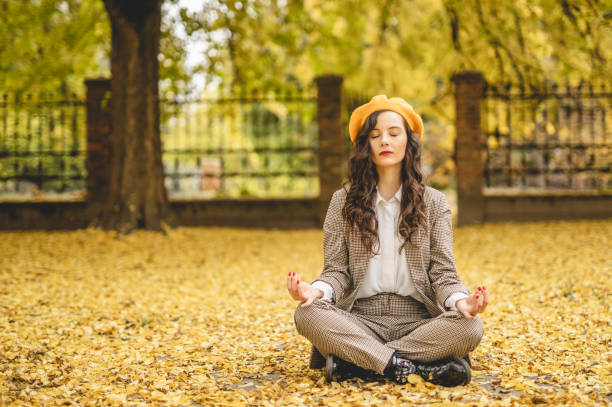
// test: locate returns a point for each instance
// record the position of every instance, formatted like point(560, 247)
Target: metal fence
point(42, 145)
point(243, 143)
point(553, 138)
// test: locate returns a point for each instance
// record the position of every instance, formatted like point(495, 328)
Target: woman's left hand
point(475, 303)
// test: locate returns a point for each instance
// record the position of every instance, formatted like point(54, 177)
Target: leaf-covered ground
point(202, 317)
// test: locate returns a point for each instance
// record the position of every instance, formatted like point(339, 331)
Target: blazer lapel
point(418, 268)
point(359, 259)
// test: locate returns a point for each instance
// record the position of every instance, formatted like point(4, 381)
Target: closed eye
point(376, 135)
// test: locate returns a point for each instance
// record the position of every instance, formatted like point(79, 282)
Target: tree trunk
point(137, 197)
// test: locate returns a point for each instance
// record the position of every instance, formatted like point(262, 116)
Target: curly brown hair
point(358, 208)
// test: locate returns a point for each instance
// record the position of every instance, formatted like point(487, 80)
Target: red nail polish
point(289, 274)
point(476, 297)
point(478, 288)
point(298, 282)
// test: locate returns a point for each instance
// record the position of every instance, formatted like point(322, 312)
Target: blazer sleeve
point(442, 272)
point(335, 249)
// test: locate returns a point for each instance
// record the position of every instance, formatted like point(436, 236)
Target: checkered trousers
point(379, 325)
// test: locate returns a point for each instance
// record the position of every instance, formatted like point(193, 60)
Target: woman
point(389, 299)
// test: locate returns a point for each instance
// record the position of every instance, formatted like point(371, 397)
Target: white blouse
point(388, 270)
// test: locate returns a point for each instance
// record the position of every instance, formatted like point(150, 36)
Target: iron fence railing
point(553, 138)
point(253, 143)
point(243, 143)
point(42, 144)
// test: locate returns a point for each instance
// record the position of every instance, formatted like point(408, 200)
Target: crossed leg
point(362, 341)
point(447, 335)
point(333, 330)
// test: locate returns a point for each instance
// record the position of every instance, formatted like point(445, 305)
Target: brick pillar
point(469, 147)
point(98, 139)
point(331, 138)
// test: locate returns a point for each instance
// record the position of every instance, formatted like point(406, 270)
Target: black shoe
point(399, 369)
point(317, 361)
point(468, 360)
point(449, 372)
point(339, 369)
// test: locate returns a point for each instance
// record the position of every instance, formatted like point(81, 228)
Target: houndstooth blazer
point(430, 260)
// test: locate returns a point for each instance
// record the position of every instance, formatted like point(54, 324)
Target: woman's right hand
point(301, 290)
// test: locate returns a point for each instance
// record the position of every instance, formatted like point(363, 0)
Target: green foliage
point(529, 42)
point(173, 74)
point(404, 48)
point(408, 49)
point(49, 45)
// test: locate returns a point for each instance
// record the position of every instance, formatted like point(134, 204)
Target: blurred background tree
point(397, 47)
point(404, 48)
point(407, 48)
point(53, 45)
point(48, 45)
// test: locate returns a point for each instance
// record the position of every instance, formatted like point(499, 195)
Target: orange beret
point(380, 102)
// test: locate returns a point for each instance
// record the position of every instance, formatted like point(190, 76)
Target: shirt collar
point(397, 196)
